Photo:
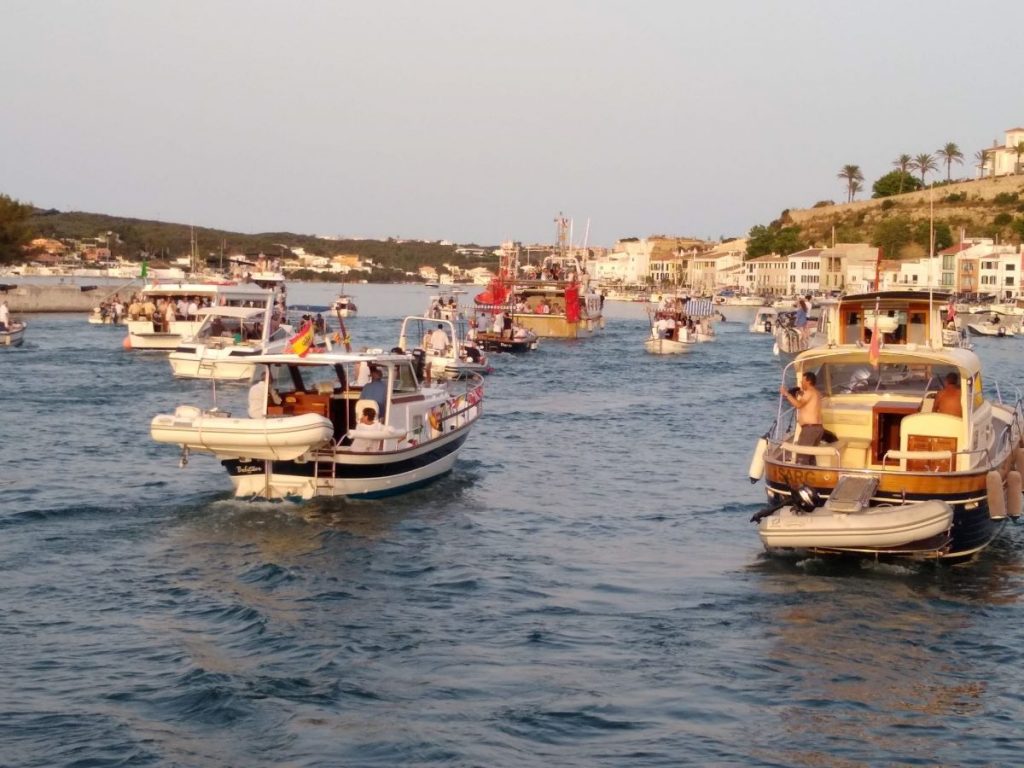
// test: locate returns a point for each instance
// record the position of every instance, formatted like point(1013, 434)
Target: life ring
point(435, 418)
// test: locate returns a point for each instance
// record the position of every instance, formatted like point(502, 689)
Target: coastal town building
point(767, 275)
point(804, 271)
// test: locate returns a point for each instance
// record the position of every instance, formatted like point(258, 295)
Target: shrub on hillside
point(824, 204)
point(895, 183)
point(1002, 219)
point(1005, 198)
point(955, 197)
point(887, 204)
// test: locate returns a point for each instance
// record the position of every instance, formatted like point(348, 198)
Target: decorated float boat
point(898, 479)
point(554, 299)
point(306, 433)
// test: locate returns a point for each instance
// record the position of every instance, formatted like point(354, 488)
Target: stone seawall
point(57, 298)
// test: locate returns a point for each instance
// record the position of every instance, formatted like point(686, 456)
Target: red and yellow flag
point(301, 342)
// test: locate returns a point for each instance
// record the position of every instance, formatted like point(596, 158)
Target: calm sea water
point(584, 589)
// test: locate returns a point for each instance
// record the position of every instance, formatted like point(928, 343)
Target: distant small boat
point(344, 306)
point(14, 336)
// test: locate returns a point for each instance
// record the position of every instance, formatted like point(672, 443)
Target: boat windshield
point(324, 379)
point(893, 378)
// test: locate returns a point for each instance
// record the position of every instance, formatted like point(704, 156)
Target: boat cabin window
point(406, 381)
point(895, 378)
point(321, 379)
point(285, 379)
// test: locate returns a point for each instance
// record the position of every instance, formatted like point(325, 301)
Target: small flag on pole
point(145, 268)
point(300, 343)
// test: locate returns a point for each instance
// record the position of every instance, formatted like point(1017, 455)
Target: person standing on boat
point(808, 413)
point(376, 390)
point(439, 340)
point(5, 316)
point(800, 323)
point(948, 398)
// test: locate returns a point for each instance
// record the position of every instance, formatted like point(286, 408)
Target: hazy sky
point(480, 121)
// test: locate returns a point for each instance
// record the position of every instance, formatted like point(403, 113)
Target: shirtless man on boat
point(808, 413)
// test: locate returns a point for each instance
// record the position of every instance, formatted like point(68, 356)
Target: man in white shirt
point(5, 316)
point(439, 340)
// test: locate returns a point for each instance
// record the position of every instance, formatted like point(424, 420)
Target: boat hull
point(142, 335)
point(667, 346)
point(345, 473)
point(986, 329)
point(14, 336)
point(551, 326)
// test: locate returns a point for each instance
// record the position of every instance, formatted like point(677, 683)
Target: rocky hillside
point(983, 208)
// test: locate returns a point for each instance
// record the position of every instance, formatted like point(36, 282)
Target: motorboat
point(444, 347)
point(678, 323)
point(313, 430)
point(14, 336)
point(105, 314)
point(995, 324)
point(765, 319)
point(344, 306)
point(153, 330)
point(227, 341)
point(494, 330)
point(891, 461)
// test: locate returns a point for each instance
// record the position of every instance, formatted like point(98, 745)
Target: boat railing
point(834, 453)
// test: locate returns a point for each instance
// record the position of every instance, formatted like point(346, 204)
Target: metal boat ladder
point(852, 493)
point(324, 472)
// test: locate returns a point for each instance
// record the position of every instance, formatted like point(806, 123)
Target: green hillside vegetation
point(134, 239)
point(899, 223)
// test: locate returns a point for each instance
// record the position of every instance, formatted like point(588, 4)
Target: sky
point(482, 121)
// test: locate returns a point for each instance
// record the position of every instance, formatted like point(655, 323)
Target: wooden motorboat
point(890, 448)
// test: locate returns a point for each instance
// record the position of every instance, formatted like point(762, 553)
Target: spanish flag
point(300, 343)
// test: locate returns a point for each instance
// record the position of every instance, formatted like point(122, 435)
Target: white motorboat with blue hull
point(325, 425)
point(228, 340)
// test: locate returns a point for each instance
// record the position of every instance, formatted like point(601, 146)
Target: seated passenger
point(948, 398)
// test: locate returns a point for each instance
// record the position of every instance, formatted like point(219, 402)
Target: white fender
point(996, 497)
point(756, 470)
point(1014, 500)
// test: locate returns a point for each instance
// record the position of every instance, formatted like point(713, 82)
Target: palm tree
point(980, 158)
point(902, 163)
point(1019, 149)
point(853, 177)
point(950, 153)
point(923, 163)
point(855, 188)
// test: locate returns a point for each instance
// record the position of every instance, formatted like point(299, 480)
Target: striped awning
point(699, 308)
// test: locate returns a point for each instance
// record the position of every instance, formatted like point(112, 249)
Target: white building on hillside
point(1005, 160)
